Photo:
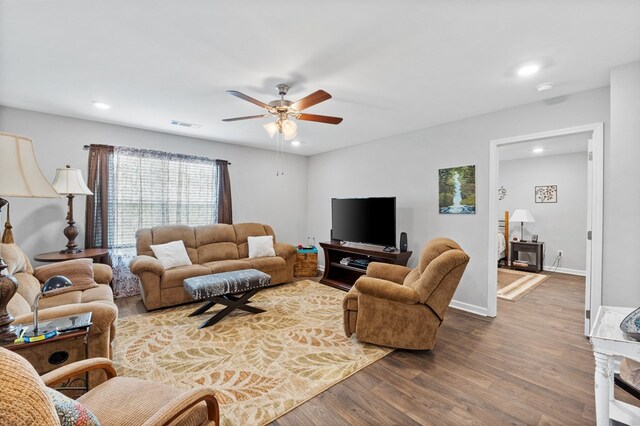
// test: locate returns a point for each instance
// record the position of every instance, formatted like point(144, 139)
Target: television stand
point(343, 276)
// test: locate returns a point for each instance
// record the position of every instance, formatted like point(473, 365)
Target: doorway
point(593, 236)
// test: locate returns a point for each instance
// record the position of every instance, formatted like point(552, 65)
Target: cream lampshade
point(522, 216)
point(69, 182)
point(20, 176)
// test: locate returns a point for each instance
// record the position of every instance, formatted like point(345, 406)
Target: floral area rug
point(261, 366)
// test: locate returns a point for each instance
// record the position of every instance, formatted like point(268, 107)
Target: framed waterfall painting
point(457, 190)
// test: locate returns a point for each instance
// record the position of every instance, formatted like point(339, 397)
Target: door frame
point(597, 193)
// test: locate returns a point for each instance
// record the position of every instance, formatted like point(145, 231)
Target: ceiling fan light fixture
point(289, 129)
point(271, 128)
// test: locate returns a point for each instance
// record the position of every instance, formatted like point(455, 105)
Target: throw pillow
point(172, 254)
point(71, 412)
point(14, 258)
point(79, 272)
point(261, 246)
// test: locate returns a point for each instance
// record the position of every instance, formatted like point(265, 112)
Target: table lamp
point(20, 176)
point(522, 216)
point(69, 182)
point(51, 284)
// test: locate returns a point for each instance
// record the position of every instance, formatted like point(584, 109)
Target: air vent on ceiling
point(185, 124)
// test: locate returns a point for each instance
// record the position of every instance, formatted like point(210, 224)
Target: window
point(151, 188)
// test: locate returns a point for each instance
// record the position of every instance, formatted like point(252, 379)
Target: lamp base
point(8, 287)
point(71, 251)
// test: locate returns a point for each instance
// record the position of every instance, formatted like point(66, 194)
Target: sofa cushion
point(174, 277)
point(79, 272)
point(172, 254)
point(60, 299)
point(261, 246)
point(227, 265)
point(15, 259)
point(167, 233)
point(244, 231)
point(18, 306)
point(266, 264)
point(217, 251)
point(99, 294)
point(217, 233)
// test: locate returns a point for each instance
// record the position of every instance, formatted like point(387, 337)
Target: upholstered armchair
point(403, 308)
point(118, 401)
point(97, 300)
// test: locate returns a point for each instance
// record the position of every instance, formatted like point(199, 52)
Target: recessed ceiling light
point(544, 87)
point(100, 105)
point(538, 150)
point(295, 143)
point(529, 69)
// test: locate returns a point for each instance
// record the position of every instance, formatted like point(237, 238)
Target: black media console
point(343, 276)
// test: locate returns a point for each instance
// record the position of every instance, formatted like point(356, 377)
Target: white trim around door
point(594, 274)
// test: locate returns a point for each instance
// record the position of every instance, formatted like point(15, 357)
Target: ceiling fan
point(283, 110)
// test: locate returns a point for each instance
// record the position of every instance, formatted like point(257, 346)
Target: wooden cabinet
point(343, 276)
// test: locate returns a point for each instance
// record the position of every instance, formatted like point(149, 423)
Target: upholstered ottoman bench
point(220, 288)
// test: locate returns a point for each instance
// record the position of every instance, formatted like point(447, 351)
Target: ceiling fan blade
point(248, 117)
point(249, 98)
point(311, 100)
point(320, 118)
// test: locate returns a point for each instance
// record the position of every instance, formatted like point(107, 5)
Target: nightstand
point(536, 249)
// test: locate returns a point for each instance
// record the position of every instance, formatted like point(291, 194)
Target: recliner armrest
point(284, 250)
point(388, 290)
point(388, 271)
point(143, 263)
point(103, 314)
point(102, 274)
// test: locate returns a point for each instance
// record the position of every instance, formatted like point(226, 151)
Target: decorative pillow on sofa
point(261, 246)
point(172, 254)
point(14, 258)
point(79, 272)
point(71, 412)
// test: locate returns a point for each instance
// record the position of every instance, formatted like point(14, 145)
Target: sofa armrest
point(143, 263)
point(66, 372)
point(104, 314)
point(383, 289)
point(284, 250)
point(388, 271)
point(102, 274)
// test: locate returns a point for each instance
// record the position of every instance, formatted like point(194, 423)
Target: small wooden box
point(306, 263)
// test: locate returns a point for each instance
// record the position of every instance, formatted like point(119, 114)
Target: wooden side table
point(609, 342)
point(97, 254)
point(306, 262)
point(537, 249)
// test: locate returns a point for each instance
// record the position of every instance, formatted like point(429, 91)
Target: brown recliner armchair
point(403, 308)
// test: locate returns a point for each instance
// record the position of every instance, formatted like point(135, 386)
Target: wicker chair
point(118, 401)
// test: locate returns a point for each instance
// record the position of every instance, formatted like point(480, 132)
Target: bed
point(503, 240)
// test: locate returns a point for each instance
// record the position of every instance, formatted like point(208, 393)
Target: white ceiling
point(392, 67)
point(559, 145)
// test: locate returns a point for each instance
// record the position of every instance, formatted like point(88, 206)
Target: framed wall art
point(547, 194)
point(457, 190)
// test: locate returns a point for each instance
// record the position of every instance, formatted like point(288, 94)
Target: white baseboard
point(565, 270)
point(321, 268)
point(474, 309)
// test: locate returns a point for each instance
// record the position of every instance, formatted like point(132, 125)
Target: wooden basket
point(306, 265)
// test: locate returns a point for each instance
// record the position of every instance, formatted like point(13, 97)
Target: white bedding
point(501, 244)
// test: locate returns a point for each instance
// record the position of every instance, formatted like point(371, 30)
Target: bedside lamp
point(522, 216)
point(69, 182)
point(51, 284)
point(20, 176)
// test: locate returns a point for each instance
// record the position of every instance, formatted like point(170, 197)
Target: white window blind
point(151, 188)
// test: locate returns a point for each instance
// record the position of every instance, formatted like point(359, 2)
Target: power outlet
point(559, 253)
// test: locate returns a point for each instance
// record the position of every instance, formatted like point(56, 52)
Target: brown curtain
point(225, 211)
point(97, 210)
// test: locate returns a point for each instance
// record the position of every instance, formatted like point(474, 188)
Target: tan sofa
point(97, 300)
point(211, 249)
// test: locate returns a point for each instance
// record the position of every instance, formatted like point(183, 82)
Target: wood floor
point(529, 365)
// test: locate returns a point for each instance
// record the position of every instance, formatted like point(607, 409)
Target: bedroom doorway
point(593, 235)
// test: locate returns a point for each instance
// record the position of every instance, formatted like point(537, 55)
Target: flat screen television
point(364, 220)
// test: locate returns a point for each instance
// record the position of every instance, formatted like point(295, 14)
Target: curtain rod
point(86, 148)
